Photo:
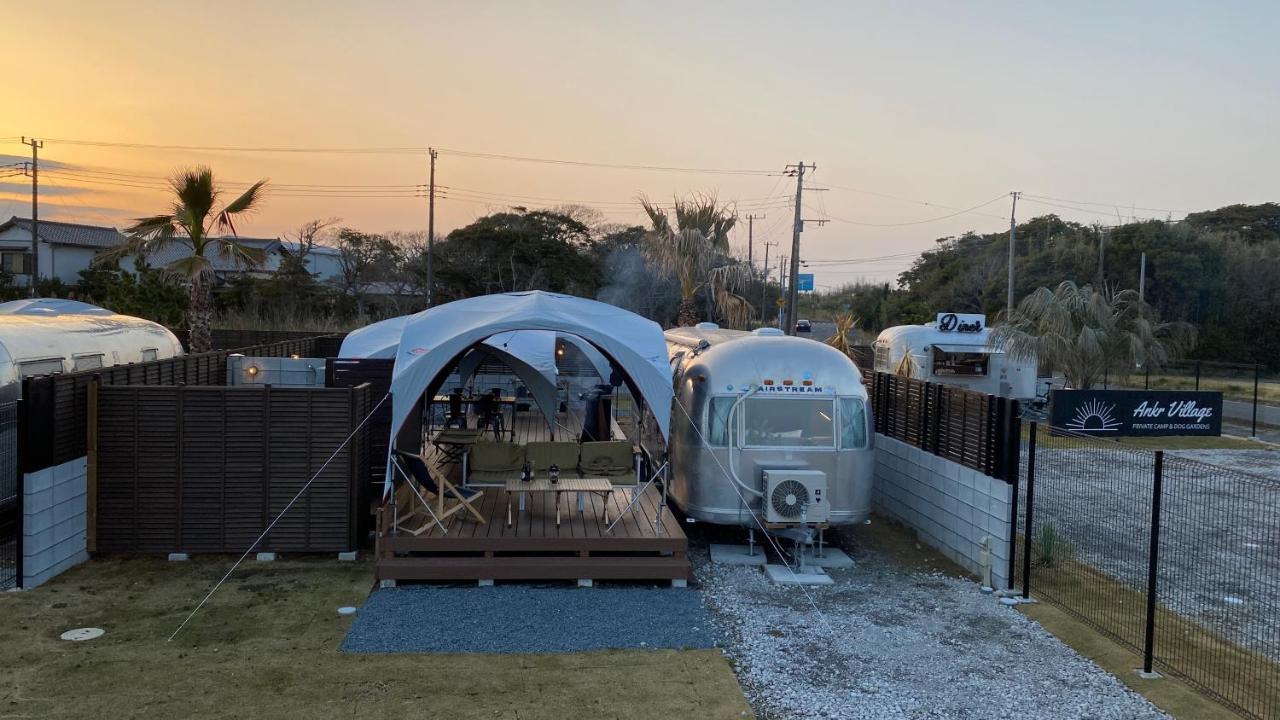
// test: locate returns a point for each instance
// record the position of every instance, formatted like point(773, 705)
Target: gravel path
point(901, 643)
point(528, 619)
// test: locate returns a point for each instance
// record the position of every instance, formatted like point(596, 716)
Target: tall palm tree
point(696, 250)
point(1080, 331)
point(192, 222)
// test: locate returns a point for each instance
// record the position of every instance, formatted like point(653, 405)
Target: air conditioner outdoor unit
point(793, 496)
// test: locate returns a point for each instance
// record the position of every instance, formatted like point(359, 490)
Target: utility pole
point(783, 274)
point(1013, 230)
point(1142, 281)
point(796, 229)
point(35, 208)
point(764, 284)
point(431, 230)
point(1102, 242)
point(751, 240)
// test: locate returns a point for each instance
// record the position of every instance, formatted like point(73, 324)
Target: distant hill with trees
point(1218, 270)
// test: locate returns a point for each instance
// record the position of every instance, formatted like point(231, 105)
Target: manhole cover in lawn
point(81, 634)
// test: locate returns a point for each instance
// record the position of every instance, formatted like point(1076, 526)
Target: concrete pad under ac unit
point(831, 558)
point(783, 575)
point(724, 554)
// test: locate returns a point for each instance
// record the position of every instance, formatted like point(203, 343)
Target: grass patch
point(266, 646)
point(1240, 388)
point(1184, 648)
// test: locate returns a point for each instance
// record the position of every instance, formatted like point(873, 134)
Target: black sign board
point(1136, 413)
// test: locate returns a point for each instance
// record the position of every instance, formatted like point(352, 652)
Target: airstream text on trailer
point(767, 424)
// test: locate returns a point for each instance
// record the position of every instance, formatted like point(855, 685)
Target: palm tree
point(696, 251)
point(1080, 331)
point(190, 223)
point(846, 334)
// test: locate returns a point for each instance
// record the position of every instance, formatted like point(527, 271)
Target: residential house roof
point(73, 234)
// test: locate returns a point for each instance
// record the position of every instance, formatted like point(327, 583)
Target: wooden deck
point(645, 543)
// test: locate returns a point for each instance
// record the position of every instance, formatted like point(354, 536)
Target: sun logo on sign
point(1095, 416)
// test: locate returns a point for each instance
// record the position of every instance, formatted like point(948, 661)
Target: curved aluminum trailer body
point(49, 343)
point(752, 402)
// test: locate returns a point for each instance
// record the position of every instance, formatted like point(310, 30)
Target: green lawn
point(266, 647)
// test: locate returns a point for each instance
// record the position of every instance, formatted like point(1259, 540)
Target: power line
point(899, 198)
point(82, 171)
point(403, 150)
point(922, 222)
point(613, 166)
point(1113, 206)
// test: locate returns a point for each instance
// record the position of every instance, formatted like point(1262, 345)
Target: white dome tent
point(542, 388)
point(435, 340)
point(529, 354)
point(381, 340)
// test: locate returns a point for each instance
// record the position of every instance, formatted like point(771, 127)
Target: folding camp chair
point(417, 473)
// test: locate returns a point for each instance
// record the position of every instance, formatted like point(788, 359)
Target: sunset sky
point(910, 110)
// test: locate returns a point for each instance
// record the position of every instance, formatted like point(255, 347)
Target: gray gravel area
point(1220, 530)
point(529, 619)
point(890, 642)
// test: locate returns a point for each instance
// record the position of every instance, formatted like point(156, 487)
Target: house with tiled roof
point(64, 248)
point(323, 262)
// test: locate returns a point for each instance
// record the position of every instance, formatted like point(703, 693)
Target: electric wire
point(921, 222)
point(279, 516)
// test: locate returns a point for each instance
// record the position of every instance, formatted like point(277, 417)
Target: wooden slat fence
point(56, 407)
point(376, 373)
point(206, 469)
point(974, 429)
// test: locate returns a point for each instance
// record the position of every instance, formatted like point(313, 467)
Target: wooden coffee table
point(544, 485)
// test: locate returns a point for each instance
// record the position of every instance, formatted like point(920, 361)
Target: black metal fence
point(10, 498)
point(1251, 393)
point(1172, 557)
point(228, 339)
point(974, 429)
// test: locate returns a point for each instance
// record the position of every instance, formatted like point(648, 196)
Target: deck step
point(534, 568)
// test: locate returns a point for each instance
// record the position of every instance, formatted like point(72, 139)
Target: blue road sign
point(804, 282)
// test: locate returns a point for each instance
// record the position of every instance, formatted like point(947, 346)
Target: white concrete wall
point(53, 523)
point(951, 507)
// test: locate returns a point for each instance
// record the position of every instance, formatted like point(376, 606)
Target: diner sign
point(962, 322)
point(1137, 413)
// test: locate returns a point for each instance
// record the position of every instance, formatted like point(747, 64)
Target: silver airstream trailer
point(786, 425)
point(954, 350)
point(47, 336)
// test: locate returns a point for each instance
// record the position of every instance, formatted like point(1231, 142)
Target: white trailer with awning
point(954, 350)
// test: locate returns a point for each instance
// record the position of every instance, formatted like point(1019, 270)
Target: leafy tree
point(366, 259)
point(1080, 331)
point(191, 222)
point(518, 250)
point(146, 293)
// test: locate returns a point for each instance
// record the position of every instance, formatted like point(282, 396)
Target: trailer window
point(881, 363)
point(970, 364)
point(86, 362)
point(853, 424)
point(718, 421)
point(789, 422)
point(149, 354)
point(40, 367)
